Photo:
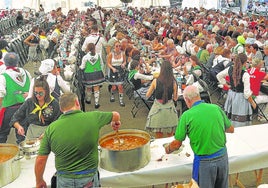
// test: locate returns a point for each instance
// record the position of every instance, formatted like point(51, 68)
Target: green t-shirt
point(73, 138)
point(205, 125)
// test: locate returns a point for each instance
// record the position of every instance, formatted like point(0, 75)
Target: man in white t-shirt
point(95, 38)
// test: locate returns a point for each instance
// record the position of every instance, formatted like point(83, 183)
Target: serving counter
point(247, 149)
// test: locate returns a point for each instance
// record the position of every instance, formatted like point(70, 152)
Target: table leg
point(258, 176)
point(237, 181)
point(231, 181)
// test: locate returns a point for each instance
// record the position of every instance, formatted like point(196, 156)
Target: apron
point(35, 131)
point(197, 159)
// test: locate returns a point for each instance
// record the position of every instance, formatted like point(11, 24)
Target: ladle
point(28, 141)
point(117, 139)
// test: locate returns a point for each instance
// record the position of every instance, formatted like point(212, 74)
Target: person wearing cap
point(14, 86)
point(54, 79)
point(239, 48)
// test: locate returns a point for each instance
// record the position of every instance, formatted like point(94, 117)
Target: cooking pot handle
point(152, 139)
point(17, 158)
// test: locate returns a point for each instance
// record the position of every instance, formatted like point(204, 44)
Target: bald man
point(205, 125)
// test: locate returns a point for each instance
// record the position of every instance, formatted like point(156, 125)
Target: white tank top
point(117, 62)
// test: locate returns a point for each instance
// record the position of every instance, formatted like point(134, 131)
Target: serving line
point(247, 150)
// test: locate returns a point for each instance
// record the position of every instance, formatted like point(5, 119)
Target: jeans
point(63, 182)
point(213, 173)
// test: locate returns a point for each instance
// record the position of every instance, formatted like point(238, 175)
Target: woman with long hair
point(93, 75)
point(165, 91)
point(116, 62)
point(37, 112)
point(33, 42)
point(193, 68)
point(239, 99)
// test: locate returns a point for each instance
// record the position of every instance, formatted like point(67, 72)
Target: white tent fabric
point(207, 4)
point(71, 4)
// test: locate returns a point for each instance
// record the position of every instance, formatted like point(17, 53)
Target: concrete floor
point(128, 122)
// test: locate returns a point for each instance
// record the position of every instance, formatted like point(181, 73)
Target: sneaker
point(122, 104)
point(112, 98)
point(97, 106)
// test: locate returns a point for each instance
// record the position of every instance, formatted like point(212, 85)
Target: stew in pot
point(126, 143)
point(5, 157)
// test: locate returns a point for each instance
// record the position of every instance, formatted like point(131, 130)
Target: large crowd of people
point(153, 48)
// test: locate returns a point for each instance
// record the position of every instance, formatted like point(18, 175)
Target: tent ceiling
point(80, 4)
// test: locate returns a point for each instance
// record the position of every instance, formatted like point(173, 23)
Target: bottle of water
point(179, 79)
point(179, 82)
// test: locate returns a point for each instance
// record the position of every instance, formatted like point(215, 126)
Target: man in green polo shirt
point(73, 138)
point(205, 125)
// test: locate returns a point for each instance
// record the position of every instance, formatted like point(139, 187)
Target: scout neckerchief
point(39, 109)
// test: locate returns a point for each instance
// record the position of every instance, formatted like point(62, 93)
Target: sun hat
point(46, 66)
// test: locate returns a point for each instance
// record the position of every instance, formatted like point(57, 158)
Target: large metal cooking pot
point(9, 163)
point(30, 147)
point(125, 160)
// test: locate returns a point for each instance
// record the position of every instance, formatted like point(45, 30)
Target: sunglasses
point(118, 46)
point(41, 93)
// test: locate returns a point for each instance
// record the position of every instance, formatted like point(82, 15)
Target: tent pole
point(31, 4)
point(68, 5)
point(38, 5)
